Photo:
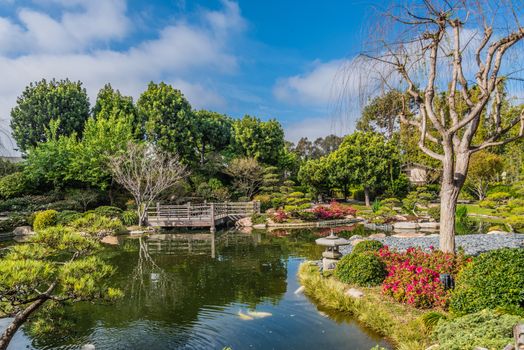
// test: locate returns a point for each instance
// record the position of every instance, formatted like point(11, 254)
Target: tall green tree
point(366, 159)
point(44, 101)
point(212, 133)
point(56, 266)
point(381, 114)
point(484, 168)
point(314, 174)
point(168, 120)
point(111, 102)
point(261, 140)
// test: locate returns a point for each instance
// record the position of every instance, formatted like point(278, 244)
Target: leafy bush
point(95, 224)
point(84, 198)
point(494, 279)
point(110, 212)
point(258, 219)
point(306, 215)
point(265, 201)
point(418, 199)
point(486, 203)
point(498, 196)
point(15, 204)
point(515, 202)
point(434, 212)
point(64, 205)
point(364, 269)
point(45, 219)
point(279, 216)
point(67, 216)
point(334, 211)
point(13, 185)
point(486, 329)
point(129, 217)
point(413, 276)
point(516, 222)
point(367, 246)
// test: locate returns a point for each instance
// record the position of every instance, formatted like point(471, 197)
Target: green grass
point(401, 324)
point(477, 210)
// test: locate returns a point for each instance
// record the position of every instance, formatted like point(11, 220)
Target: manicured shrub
point(367, 246)
point(493, 279)
point(110, 212)
point(67, 216)
point(45, 219)
point(334, 211)
point(364, 269)
point(129, 217)
point(265, 201)
point(13, 185)
point(279, 216)
point(65, 204)
point(434, 212)
point(486, 203)
point(486, 329)
point(516, 222)
point(413, 276)
point(306, 215)
point(498, 196)
point(95, 224)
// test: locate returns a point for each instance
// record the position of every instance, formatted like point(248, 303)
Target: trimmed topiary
point(492, 280)
point(109, 211)
point(67, 216)
point(45, 219)
point(486, 329)
point(367, 246)
point(364, 269)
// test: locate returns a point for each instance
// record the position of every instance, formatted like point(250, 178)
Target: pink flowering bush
point(413, 276)
point(334, 211)
point(280, 216)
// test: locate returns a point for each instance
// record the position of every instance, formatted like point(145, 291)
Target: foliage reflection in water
point(206, 291)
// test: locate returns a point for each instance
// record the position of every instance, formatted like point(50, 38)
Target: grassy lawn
point(477, 210)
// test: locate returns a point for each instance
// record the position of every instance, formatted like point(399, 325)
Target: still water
point(204, 291)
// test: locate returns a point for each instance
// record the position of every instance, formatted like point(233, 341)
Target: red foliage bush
point(413, 276)
point(280, 216)
point(334, 211)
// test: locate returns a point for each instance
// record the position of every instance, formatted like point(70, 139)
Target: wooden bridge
point(200, 215)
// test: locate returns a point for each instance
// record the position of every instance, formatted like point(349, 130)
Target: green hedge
point(367, 246)
point(494, 279)
point(486, 329)
point(45, 219)
point(364, 269)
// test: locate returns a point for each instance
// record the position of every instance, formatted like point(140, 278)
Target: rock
point(259, 226)
point(405, 225)
point(433, 347)
point(497, 232)
point(509, 347)
point(377, 235)
point(355, 237)
point(408, 235)
point(400, 218)
point(354, 293)
point(433, 225)
point(245, 222)
point(433, 235)
point(23, 231)
point(112, 240)
point(354, 242)
point(88, 347)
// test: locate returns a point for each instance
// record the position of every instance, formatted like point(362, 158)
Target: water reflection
point(191, 290)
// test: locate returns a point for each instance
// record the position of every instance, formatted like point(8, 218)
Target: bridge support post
point(212, 218)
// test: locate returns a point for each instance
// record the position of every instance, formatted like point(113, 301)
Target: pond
point(204, 291)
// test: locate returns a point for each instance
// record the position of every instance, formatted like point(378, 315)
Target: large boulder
point(23, 231)
point(408, 225)
point(245, 222)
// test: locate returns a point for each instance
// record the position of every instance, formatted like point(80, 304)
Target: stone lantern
point(331, 255)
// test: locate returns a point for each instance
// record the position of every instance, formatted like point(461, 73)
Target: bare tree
point(146, 172)
point(247, 174)
point(452, 59)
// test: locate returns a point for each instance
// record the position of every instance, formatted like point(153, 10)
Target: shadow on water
point(207, 291)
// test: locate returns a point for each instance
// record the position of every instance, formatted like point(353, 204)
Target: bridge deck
point(200, 215)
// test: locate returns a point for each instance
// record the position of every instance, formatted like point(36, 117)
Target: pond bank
point(401, 324)
point(472, 244)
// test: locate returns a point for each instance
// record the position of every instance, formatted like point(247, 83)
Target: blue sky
point(272, 59)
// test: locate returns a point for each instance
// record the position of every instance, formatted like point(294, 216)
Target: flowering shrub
point(413, 276)
point(334, 211)
point(280, 216)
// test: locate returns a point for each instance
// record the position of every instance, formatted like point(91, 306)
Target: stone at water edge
point(259, 226)
point(377, 235)
point(405, 225)
point(496, 232)
point(23, 231)
point(354, 293)
point(408, 235)
point(355, 237)
point(354, 242)
point(300, 290)
point(88, 347)
point(245, 222)
point(434, 225)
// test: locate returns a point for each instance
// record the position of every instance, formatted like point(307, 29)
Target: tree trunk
point(366, 196)
point(453, 178)
point(18, 321)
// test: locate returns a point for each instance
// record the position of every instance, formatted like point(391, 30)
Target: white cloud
point(316, 127)
point(42, 47)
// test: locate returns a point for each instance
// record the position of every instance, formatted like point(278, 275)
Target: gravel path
point(472, 244)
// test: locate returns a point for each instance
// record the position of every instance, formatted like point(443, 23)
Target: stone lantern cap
point(332, 240)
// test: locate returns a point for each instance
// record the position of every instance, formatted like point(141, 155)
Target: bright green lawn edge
point(399, 323)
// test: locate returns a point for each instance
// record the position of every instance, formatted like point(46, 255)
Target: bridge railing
point(205, 212)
